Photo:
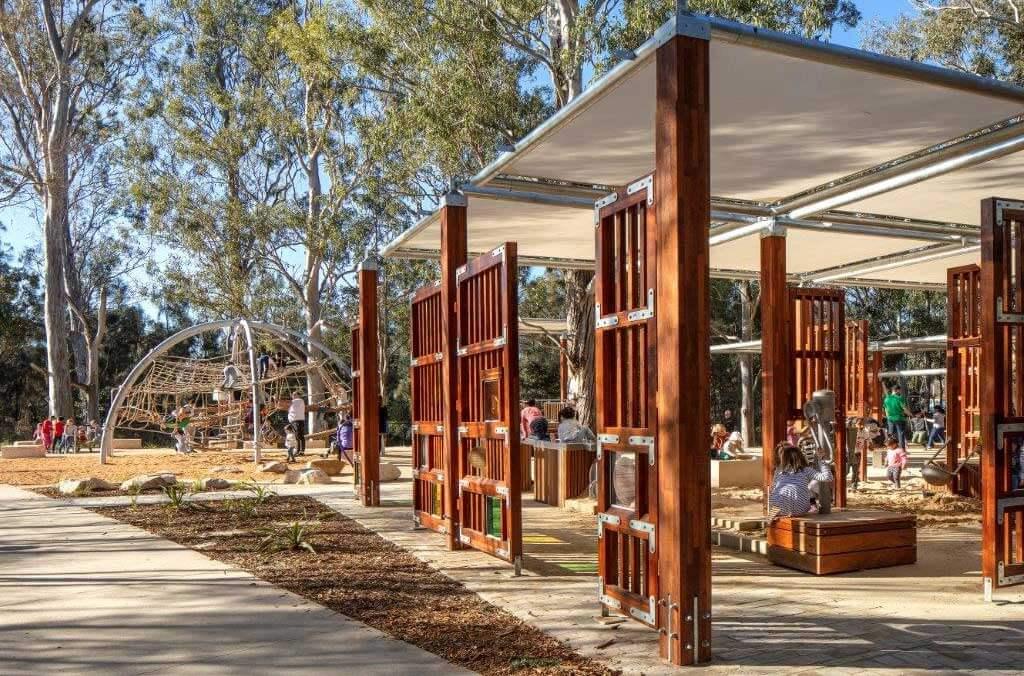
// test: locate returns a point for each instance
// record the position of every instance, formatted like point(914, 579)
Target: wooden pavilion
point(718, 149)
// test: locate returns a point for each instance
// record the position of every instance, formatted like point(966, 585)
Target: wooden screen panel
point(626, 385)
point(1002, 392)
point(490, 498)
point(425, 377)
point(858, 377)
point(963, 371)
point(817, 342)
point(357, 399)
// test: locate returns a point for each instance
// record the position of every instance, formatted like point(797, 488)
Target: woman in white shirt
point(297, 418)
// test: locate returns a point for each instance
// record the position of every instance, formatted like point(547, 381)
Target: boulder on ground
point(149, 482)
point(389, 471)
point(275, 466)
point(332, 467)
point(214, 484)
point(291, 476)
point(79, 486)
point(225, 469)
point(314, 476)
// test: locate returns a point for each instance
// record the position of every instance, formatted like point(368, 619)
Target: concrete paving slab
point(80, 593)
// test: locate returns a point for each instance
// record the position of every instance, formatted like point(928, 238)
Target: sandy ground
point(915, 497)
point(126, 464)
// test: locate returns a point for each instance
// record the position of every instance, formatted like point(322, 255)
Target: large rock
point(149, 482)
point(314, 476)
point(80, 486)
point(389, 472)
point(275, 466)
point(291, 476)
point(214, 484)
point(331, 467)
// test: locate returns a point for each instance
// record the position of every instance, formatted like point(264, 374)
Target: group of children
point(63, 435)
point(342, 441)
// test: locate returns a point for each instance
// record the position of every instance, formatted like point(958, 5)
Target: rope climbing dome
point(162, 384)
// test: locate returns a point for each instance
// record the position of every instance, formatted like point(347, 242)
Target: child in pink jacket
point(896, 459)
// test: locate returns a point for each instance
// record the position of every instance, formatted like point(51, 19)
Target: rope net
point(218, 409)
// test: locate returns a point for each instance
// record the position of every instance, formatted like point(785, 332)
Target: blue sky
point(22, 229)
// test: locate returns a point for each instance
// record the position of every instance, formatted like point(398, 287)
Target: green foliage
point(293, 537)
point(260, 494)
point(176, 494)
point(984, 37)
point(22, 391)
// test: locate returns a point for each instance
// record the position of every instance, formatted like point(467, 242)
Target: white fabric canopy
point(784, 120)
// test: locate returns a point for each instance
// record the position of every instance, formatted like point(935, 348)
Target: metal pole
point(255, 392)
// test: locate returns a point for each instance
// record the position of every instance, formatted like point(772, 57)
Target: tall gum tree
point(63, 69)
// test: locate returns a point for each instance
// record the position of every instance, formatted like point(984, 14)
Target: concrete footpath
point(80, 593)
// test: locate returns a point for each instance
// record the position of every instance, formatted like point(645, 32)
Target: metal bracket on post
point(671, 636)
point(646, 313)
point(1004, 317)
point(605, 599)
point(649, 443)
point(1003, 503)
point(1005, 580)
point(646, 183)
point(602, 519)
point(650, 616)
point(602, 322)
point(1005, 428)
point(645, 527)
point(602, 203)
point(603, 439)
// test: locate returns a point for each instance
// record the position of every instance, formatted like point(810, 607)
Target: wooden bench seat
point(843, 541)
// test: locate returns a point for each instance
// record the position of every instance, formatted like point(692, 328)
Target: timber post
point(369, 387)
point(683, 203)
point(775, 364)
point(563, 368)
point(453, 256)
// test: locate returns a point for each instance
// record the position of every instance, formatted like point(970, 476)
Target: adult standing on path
point(297, 417)
point(896, 412)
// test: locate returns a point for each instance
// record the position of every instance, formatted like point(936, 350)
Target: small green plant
point(197, 485)
point(176, 494)
point(292, 537)
point(260, 493)
point(134, 490)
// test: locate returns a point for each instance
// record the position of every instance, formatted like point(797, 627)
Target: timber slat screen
point(860, 384)
point(817, 348)
point(1002, 392)
point(858, 387)
point(490, 502)
point(357, 398)
point(626, 385)
point(963, 374)
point(425, 374)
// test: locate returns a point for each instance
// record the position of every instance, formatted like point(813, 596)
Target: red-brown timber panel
point(858, 377)
point(367, 422)
point(425, 377)
point(860, 384)
point(626, 384)
point(490, 502)
point(1002, 392)
point(963, 373)
point(817, 349)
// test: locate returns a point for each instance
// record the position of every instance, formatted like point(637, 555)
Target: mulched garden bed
point(359, 574)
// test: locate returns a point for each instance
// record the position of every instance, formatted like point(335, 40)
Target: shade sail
point(787, 116)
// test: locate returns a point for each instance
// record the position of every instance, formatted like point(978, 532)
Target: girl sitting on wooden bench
point(794, 489)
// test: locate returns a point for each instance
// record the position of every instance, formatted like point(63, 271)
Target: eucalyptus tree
point(64, 68)
point(983, 37)
point(210, 177)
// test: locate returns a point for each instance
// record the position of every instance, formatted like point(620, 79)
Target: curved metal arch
point(282, 331)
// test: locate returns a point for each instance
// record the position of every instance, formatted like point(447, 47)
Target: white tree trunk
point(55, 311)
point(313, 306)
point(580, 323)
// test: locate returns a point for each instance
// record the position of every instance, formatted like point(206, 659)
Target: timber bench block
point(843, 541)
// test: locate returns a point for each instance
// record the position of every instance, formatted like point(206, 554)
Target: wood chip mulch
point(360, 574)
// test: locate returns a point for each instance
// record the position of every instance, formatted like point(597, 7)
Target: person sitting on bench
point(794, 489)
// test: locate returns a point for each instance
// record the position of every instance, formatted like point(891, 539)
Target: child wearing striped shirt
point(794, 489)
